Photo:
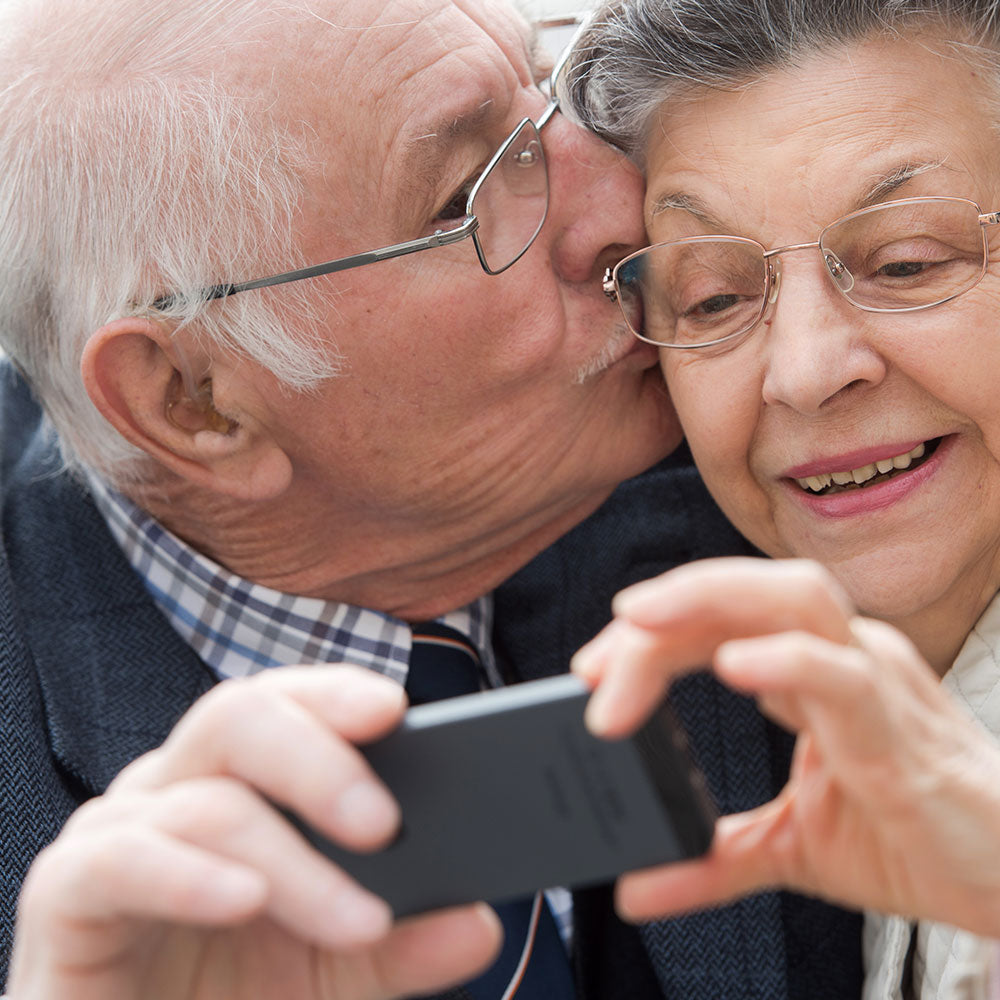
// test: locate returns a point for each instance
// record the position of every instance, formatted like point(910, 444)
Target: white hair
point(638, 53)
point(128, 171)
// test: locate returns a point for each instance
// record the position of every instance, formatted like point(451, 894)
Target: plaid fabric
point(238, 627)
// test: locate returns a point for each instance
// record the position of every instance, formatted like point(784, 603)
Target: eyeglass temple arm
point(438, 239)
point(550, 109)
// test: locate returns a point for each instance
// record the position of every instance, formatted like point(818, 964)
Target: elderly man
point(259, 461)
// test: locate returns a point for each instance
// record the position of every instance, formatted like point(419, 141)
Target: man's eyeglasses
point(899, 256)
point(504, 212)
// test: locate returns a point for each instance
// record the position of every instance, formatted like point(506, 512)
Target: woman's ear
point(145, 385)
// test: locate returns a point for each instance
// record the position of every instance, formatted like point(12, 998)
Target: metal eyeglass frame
point(838, 273)
point(438, 239)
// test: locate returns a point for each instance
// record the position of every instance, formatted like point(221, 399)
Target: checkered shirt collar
point(239, 628)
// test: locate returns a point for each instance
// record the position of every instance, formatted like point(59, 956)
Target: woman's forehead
point(829, 132)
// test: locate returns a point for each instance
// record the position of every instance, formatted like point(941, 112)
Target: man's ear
point(145, 385)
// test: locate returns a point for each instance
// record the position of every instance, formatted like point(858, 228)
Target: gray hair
point(127, 171)
point(637, 53)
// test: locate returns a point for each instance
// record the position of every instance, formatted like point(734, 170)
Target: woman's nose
point(819, 348)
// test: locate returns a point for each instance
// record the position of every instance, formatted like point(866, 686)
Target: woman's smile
point(869, 486)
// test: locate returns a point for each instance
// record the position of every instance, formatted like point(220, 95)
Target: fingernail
point(653, 602)
point(584, 661)
point(635, 597)
point(590, 660)
point(596, 715)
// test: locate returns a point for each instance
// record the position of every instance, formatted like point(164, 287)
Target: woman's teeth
point(857, 477)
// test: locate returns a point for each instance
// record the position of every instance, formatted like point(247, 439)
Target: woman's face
point(821, 386)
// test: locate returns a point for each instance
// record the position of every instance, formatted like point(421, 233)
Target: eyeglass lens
point(511, 200)
point(699, 291)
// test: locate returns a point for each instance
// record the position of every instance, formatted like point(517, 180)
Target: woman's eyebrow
point(884, 185)
point(895, 178)
point(684, 203)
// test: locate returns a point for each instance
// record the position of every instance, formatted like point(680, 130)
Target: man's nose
point(595, 203)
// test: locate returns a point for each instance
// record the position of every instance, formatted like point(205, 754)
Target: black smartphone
point(505, 792)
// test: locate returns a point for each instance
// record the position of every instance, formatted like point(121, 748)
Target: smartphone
point(505, 792)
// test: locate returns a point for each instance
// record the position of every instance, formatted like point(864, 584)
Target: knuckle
point(181, 895)
point(230, 701)
point(213, 808)
point(892, 649)
point(43, 885)
point(104, 852)
point(883, 636)
point(861, 676)
point(229, 707)
point(799, 645)
point(91, 815)
point(76, 860)
point(138, 774)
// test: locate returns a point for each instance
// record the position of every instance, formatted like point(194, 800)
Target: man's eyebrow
point(429, 144)
point(890, 182)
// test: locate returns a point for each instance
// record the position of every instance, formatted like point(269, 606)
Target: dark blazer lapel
point(114, 675)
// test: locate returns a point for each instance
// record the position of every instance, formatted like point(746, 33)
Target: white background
point(556, 38)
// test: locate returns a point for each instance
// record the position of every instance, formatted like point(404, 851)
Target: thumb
point(744, 858)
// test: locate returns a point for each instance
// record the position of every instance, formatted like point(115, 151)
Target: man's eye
point(455, 208)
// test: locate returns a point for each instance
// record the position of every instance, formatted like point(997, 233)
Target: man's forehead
point(395, 38)
point(414, 76)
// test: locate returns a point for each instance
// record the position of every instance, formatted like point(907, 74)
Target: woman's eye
point(903, 268)
point(912, 259)
point(714, 304)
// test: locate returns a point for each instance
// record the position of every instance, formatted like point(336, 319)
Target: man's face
point(479, 416)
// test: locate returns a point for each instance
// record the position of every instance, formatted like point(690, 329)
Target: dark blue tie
point(532, 963)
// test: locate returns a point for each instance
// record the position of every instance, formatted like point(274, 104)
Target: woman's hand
point(183, 882)
point(894, 798)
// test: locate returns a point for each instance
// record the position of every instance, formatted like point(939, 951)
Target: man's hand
point(183, 882)
point(893, 801)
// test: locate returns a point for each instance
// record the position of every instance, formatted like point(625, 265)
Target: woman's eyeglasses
point(900, 256)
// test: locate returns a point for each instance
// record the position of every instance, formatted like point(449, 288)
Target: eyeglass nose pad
point(774, 286)
point(843, 278)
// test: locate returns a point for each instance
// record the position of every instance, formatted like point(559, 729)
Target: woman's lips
point(852, 459)
point(845, 477)
point(878, 489)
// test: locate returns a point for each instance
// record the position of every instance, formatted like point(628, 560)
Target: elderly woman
point(823, 206)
